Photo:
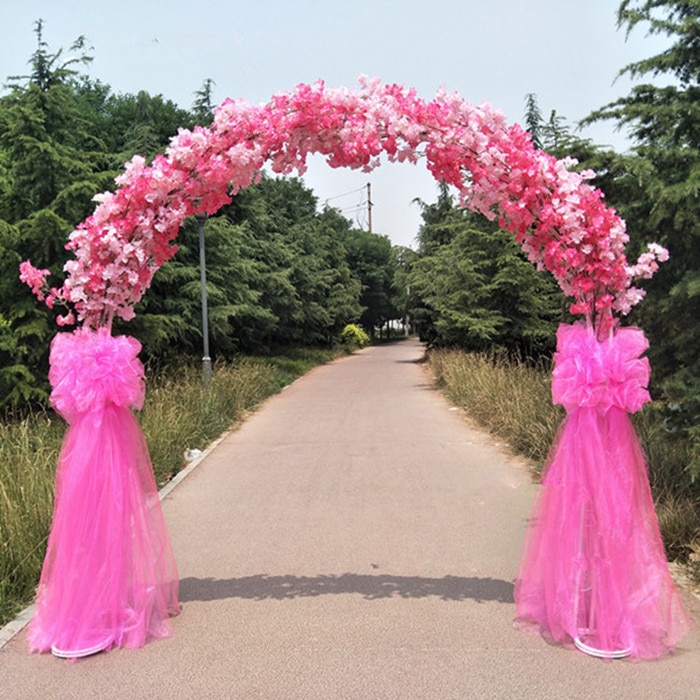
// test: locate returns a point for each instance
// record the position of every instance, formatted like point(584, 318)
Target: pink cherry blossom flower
point(35, 278)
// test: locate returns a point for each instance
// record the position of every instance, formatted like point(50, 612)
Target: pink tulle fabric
point(109, 578)
point(593, 571)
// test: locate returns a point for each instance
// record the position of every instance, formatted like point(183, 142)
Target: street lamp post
point(206, 359)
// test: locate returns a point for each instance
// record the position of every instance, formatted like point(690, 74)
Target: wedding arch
point(562, 224)
point(559, 219)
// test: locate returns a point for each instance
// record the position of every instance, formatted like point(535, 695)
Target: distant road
point(355, 539)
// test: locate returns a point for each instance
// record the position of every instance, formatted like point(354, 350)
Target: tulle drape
point(593, 571)
point(109, 578)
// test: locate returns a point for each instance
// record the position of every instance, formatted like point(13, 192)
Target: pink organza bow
point(90, 369)
point(600, 374)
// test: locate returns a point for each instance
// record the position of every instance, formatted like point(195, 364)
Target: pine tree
point(475, 289)
point(203, 106)
point(44, 151)
point(63, 138)
point(663, 120)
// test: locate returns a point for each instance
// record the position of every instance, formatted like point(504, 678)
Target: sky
point(497, 51)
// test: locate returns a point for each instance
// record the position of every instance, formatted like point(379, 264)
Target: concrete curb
point(16, 626)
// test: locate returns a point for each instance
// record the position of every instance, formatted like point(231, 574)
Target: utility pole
point(369, 206)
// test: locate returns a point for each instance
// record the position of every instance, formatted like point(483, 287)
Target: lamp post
point(206, 359)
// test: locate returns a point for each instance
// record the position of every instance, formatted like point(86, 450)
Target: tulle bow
point(600, 374)
point(90, 369)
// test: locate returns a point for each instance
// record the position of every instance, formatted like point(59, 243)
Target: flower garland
point(558, 218)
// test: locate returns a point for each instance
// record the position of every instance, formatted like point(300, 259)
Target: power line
point(362, 211)
point(345, 194)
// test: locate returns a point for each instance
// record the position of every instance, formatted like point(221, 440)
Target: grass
point(512, 400)
point(28, 452)
point(179, 414)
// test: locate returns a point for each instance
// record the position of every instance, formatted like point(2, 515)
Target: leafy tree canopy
point(662, 199)
point(278, 271)
point(474, 289)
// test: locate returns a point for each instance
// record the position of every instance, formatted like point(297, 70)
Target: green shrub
point(353, 335)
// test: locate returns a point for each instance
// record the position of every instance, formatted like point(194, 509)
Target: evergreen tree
point(533, 119)
point(45, 143)
point(141, 123)
point(43, 134)
point(438, 224)
point(663, 121)
point(277, 275)
point(203, 106)
point(63, 138)
point(371, 261)
point(404, 299)
point(475, 288)
point(278, 271)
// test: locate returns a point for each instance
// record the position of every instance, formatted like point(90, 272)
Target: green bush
point(353, 335)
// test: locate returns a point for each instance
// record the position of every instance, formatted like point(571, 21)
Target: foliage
point(474, 288)
point(533, 120)
point(203, 106)
point(278, 275)
point(559, 220)
point(44, 136)
point(45, 150)
point(353, 335)
point(278, 271)
point(370, 259)
point(140, 123)
point(660, 196)
point(61, 140)
point(402, 298)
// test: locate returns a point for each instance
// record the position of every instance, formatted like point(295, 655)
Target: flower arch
point(593, 550)
point(559, 219)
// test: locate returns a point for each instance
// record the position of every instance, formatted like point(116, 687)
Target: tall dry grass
point(181, 414)
point(28, 453)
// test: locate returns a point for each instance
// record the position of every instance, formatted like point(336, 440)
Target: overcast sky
point(568, 53)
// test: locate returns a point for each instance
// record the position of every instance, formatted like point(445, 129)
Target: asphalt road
point(354, 539)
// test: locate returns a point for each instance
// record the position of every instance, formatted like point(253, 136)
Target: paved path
point(356, 540)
